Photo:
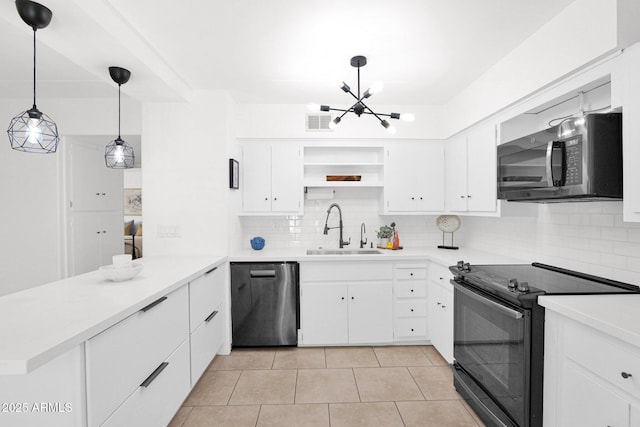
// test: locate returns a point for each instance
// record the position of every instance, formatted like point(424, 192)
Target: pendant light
point(118, 154)
point(33, 131)
point(360, 108)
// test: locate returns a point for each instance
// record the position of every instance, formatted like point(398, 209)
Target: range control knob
point(513, 285)
point(523, 287)
point(466, 267)
point(460, 265)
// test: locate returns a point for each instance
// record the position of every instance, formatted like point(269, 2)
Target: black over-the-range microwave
point(580, 159)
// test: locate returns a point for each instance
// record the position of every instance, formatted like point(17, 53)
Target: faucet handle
point(346, 243)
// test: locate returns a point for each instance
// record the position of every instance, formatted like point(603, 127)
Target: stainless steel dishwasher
point(264, 304)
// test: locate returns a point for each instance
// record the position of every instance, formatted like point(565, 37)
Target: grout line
point(400, 413)
point(295, 388)
point(376, 356)
point(353, 372)
point(234, 389)
point(416, 383)
point(258, 417)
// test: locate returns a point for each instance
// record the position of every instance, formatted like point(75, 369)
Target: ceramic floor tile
point(180, 417)
point(401, 356)
point(386, 385)
point(223, 416)
point(437, 413)
point(241, 359)
point(261, 386)
point(215, 363)
point(364, 415)
point(326, 386)
point(213, 388)
point(314, 415)
point(434, 356)
point(435, 382)
point(299, 358)
point(351, 357)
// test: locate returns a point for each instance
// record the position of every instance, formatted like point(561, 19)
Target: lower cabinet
point(120, 359)
point(590, 378)
point(410, 302)
point(440, 310)
point(346, 303)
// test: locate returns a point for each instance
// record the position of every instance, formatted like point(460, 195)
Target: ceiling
point(269, 51)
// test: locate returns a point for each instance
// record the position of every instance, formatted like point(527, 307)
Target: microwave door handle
point(496, 306)
point(550, 164)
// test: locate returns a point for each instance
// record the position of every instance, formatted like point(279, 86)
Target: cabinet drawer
point(607, 357)
point(411, 289)
point(341, 271)
point(439, 273)
point(120, 358)
point(205, 294)
point(206, 340)
point(157, 403)
point(415, 308)
point(411, 328)
point(409, 272)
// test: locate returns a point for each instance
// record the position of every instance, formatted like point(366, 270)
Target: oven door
point(492, 345)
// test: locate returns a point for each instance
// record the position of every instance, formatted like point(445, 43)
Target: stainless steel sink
point(343, 251)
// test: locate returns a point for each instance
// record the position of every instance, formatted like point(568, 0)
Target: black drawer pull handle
point(154, 374)
point(262, 273)
point(412, 310)
point(211, 316)
point(625, 375)
point(153, 304)
point(211, 271)
point(410, 274)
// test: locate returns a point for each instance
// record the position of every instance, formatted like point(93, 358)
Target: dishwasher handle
point(262, 274)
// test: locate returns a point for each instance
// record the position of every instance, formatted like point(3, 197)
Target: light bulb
point(391, 129)
point(118, 154)
point(407, 117)
point(34, 132)
point(313, 107)
point(376, 87)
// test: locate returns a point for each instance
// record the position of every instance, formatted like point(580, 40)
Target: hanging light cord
point(34, 68)
point(119, 110)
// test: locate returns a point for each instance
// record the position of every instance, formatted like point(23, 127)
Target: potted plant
point(384, 234)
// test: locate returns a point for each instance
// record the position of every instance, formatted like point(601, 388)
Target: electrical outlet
point(168, 230)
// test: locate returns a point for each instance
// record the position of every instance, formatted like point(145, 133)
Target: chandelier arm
point(377, 114)
point(371, 111)
point(338, 109)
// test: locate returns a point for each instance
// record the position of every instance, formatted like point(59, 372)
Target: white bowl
point(120, 274)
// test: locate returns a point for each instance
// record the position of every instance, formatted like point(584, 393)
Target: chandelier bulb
point(407, 117)
point(313, 107)
point(376, 87)
point(345, 87)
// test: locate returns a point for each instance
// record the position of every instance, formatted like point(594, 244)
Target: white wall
point(31, 186)
point(589, 237)
point(185, 175)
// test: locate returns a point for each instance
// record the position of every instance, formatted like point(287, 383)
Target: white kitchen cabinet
point(470, 172)
point(414, 177)
point(272, 178)
point(410, 297)
point(346, 303)
point(590, 377)
point(440, 310)
point(631, 132)
point(206, 319)
point(94, 187)
point(95, 237)
point(363, 161)
point(120, 359)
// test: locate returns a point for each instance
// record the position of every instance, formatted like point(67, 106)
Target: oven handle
point(501, 308)
point(550, 164)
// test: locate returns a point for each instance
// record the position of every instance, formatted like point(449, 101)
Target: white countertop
point(40, 323)
point(445, 257)
point(615, 315)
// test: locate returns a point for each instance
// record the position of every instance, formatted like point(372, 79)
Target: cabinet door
point(588, 402)
point(370, 313)
point(456, 174)
point(85, 238)
point(631, 132)
point(414, 174)
point(256, 178)
point(93, 185)
point(481, 169)
point(324, 313)
point(111, 237)
point(440, 319)
point(286, 178)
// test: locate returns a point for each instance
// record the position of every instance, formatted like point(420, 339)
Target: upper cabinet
point(631, 132)
point(414, 177)
point(470, 171)
point(343, 166)
point(272, 178)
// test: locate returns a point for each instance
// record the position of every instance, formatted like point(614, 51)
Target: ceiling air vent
point(318, 122)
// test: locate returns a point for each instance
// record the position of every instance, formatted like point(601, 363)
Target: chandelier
point(118, 154)
point(359, 107)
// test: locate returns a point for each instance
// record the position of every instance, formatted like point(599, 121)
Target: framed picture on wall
point(133, 201)
point(234, 174)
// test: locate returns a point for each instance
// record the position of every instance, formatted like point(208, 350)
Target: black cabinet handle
point(211, 316)
point(154, 374)
point(411, 290)
point(153, 304)
point(625, 375)
point(342, 298)
point(262, 273)
point(412, 310)
point(410, 274)
point(352, 298)
point(211, 271)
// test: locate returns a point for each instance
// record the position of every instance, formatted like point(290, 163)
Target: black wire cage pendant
point(359, 107)
point(118, 154)
point(33, 131)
